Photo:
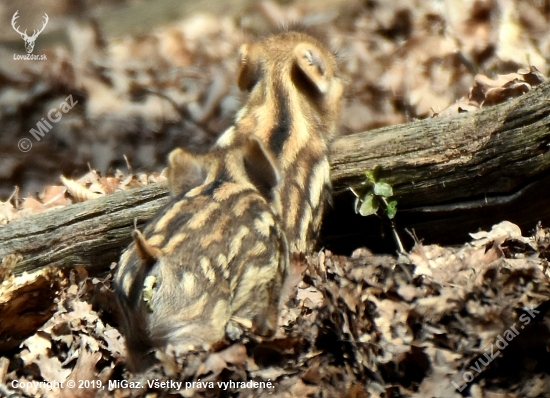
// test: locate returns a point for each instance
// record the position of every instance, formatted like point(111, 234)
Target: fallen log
point(91, 233)
point(450, 175)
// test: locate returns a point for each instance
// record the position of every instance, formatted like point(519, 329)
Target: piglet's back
point(214, 256)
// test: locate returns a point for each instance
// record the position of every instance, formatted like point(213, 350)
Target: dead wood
point(91, 233)
point(449, 174)
point(495, 151)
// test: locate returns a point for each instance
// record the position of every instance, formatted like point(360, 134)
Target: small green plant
point(374, 198)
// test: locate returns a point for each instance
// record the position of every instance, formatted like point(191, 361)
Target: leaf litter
point(358, 326)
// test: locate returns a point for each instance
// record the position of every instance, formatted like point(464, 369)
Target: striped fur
point(293, 107)
point(214, 258)
point(216, 252)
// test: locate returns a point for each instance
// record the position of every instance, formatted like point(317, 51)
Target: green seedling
point(374, 198)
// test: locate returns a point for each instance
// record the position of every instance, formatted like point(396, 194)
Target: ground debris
point(443, 321)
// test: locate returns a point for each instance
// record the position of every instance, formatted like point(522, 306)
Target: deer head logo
point(29, 40)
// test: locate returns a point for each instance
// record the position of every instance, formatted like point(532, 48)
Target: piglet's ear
point(312, 65)
point(185, 171)
point(145, 250)
point(249, 68)
point(260, 168)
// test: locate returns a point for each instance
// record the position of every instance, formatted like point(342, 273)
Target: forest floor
point(433, 322)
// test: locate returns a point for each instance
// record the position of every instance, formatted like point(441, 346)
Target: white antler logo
point(29, 40)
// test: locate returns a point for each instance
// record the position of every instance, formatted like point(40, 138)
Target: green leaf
point(391, 210)
point(370, 176)
point(369, 205)
point(383, 189)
